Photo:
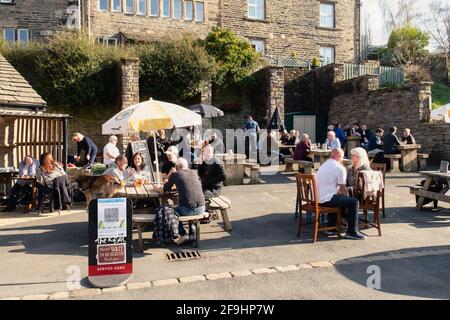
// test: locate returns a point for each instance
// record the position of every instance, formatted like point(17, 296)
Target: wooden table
point(425, 193)
point(234, 167)
point(145, 191)
point(323, 154)
point(408, 162)
point(290, 147)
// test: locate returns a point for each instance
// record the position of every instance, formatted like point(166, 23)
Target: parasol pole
point(156, 156)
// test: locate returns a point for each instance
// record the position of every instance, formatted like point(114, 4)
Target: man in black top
point(211, 173)
point(407, 137)
point(391, 142)
point(169, 166)
point(88, 146)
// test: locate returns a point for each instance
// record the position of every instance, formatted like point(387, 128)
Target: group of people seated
point(50, 179)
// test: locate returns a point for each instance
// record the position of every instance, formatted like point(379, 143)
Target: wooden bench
point(307, 165)
point(142, 220)
point(422, 160)
point(395, 161)
point(254, 172)
point(222, 204)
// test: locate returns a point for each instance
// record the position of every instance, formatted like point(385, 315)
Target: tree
point(407, 45)
point(438, 25)
point(235, 57)
point(399, 15)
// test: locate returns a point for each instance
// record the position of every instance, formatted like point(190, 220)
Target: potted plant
point(315, 63)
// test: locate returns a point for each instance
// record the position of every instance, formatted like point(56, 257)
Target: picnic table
point(424, 192)
point(322, 154)
point(143, 191)
point(409, 157)
point(234, 167)
point(290, 147)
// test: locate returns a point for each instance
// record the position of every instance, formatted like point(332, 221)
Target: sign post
point(110, 242)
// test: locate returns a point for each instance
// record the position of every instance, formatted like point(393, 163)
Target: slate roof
point(15, 91)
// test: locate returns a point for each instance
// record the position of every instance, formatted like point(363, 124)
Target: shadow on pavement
point(426, 276)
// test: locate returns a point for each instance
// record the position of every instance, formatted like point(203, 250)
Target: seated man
point(191, 199)
point(118, 169)
point(22, 188)
point(375, 142)
point(169, 165)
point(407, 137)
point(211, 173)
point(332, 192)
point(391, 142)
point(332, 142)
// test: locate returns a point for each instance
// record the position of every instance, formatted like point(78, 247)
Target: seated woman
point(22, 188)
point(51, 178)
point(302, 149)
point(360, 162)
point(138, 170)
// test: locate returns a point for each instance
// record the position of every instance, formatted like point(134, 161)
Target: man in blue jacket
point(88, 146)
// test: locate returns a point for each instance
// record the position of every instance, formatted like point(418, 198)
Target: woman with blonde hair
point(360, 162)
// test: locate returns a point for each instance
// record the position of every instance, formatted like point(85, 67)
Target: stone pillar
point(275, 94)
point(206, 98)
point(129, 84)
point(425, 102)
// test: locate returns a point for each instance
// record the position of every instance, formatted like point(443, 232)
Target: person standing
point(89, 148)
point(339, 133)
point(252, 130)
point(110, 151)
point(332, 192)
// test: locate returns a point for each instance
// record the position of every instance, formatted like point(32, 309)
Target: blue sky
point(371, 12)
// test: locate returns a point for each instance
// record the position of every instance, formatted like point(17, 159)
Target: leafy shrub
point(235, 57)
point(174, 69)
point(407, 45)
point(417, 73)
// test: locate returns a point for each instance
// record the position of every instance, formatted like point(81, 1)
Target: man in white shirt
point(332, 192)
point(110, 151)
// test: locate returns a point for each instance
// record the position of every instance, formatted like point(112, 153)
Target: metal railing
point(387, 75)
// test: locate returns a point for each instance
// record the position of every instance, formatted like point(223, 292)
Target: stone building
point(302, 29)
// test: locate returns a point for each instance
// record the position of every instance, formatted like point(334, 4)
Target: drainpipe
point(89, 18)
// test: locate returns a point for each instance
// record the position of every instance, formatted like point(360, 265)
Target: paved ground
point(36, 254)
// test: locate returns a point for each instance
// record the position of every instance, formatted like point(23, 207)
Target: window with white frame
point(199, 11)
point(23, 36)
point(116, 5)
point(259, 46)
point(103, 5)
point(107, 41)
point(327, 55)
point(327, 15)
point(166, 8)
point(177, 9)
point(142, 7)
point(9, 34)
point(188, 10)
point(256, 9)
point(129, 6)
point(154, 8)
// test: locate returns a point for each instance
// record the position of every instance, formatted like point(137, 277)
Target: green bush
point(235, 57)
point(407, 45)
point(69, 71)
point(174, 69)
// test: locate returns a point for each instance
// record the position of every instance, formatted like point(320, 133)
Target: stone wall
point(405, 107)
point(292, 26)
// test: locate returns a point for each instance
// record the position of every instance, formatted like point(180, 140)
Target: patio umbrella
point(151, 115)
point(276, 122)
point(206, 110)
